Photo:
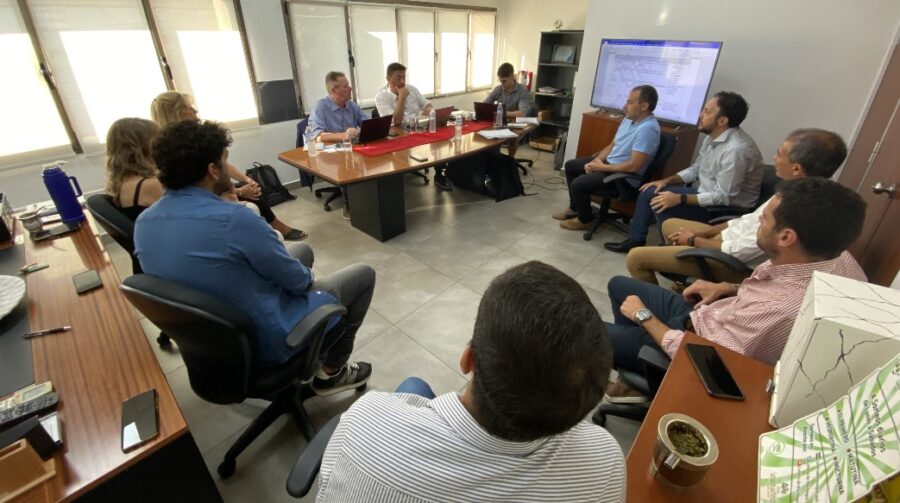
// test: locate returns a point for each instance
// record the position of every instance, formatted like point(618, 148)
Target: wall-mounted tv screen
point(679, 70)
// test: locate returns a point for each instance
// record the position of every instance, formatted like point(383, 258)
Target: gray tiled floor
point(429, 283)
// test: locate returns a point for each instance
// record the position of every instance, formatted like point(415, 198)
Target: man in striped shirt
point(806, 227)
point(515, 433)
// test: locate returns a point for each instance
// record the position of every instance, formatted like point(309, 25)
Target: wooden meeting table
point(736, 425)
point(104, 359)
point(375, 183)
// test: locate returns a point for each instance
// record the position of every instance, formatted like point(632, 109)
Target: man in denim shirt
point(193, 237)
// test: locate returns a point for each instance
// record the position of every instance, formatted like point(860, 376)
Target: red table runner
point(387, 145)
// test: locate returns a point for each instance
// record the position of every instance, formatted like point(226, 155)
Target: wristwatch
point(641, 316)
point(683, 198)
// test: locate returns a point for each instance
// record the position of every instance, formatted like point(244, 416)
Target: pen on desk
point(47, 331)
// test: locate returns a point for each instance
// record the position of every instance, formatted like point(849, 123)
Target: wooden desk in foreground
point(735, 424)
point(375, 183)
point(105, 359)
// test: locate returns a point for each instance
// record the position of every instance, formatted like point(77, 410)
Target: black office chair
point(305, 469)
point(655, 362)
point(627, 192)
point(421, 175)
point(704, 256)
point(121, 229)
point(218, 345)
point(307, 179)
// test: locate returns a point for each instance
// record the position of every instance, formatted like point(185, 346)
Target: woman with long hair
point(173, 106)
point(130, 170)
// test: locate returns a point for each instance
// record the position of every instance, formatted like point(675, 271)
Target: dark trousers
point(353, 286)
point(644, 215)
point(582, 185)
point(628, 338)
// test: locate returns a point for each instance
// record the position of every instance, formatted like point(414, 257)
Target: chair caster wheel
point(327, 207)
point(599, 419)
point(226, 469)
point(587, 235)
point(164, 340)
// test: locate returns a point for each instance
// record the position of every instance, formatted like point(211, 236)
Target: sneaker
point(573, 224)
point(619, 392)
point(345, 212)
point(295, 235)
point(353, 375)
point(440, 180)
point(565, 214)
point(623, 247)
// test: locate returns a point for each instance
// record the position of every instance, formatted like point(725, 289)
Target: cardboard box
point(545, 143)
point(844, 330)
point(545, 114)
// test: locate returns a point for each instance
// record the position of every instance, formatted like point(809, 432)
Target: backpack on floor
point(494, 174)
point(273, 192)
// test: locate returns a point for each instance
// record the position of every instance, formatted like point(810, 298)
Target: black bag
point(273, 192)
point(494, 175)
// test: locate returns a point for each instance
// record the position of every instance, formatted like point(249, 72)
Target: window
point(445, 50)
point(309, 23)
point(417, 39)
point(104, 60)
point(29, 122)
point(374, 31)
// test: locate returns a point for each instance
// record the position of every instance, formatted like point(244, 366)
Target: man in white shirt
point(539, 359)
point(398, 98)
point(805, 152)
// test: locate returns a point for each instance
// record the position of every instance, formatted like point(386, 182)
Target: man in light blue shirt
point(192, 237)
point(336, 117)
point(634, 146)
point(728, 170)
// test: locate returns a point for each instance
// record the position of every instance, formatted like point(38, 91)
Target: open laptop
point(486, 111)
point(375, 129)
point(442, 115)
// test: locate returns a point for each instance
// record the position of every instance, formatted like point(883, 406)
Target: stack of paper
point(495, 134)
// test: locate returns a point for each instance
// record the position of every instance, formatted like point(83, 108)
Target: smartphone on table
point(713, 372)
point(139, 419)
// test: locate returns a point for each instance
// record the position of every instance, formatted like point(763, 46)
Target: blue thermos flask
point(59, 185)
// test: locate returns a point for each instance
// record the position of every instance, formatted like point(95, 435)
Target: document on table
point(527, 120)
point(496, 134)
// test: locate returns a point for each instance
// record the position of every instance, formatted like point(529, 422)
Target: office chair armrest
point(311, 324)
point(727, 211)
point(654, 357)
point(304, 472)
point(716, 255)
point(722, 219)
point(620, 176)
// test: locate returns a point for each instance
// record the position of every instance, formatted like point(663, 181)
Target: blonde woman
point(130, 170)
point(172, 106)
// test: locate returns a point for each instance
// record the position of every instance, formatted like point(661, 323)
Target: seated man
point(632, 150)
point(804, 228)
point(400, 99)
point(196, 239)
point(516, 99)
point(728, 170)
point(805, 152)
point(337, 117)
point(515, 433)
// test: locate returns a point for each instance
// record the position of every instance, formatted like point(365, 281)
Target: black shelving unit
point(560, 75)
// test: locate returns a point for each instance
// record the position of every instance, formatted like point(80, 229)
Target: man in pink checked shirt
point(807, 227)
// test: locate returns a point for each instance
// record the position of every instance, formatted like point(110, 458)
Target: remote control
point(28, 408)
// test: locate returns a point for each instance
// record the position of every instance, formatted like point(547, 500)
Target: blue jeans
point(626, 337)
point(415, 386)
point(644, 215)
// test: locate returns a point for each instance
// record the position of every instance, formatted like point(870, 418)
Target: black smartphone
point(713, 372)
point(54, 231)
point(87, 281)
point(139, 419)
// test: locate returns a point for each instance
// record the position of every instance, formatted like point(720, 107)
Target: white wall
point(798, 63)
point(521, 24)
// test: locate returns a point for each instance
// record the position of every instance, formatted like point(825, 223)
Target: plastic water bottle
point(310, 141)
point(498, 116)
point(457, 128)
point(432, 122)
point(59, 185)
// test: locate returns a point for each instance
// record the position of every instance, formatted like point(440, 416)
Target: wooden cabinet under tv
point(598, 128)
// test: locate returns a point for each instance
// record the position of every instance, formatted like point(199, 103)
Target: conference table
point(736, 426)
point(375, 182)
point(103, 360)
